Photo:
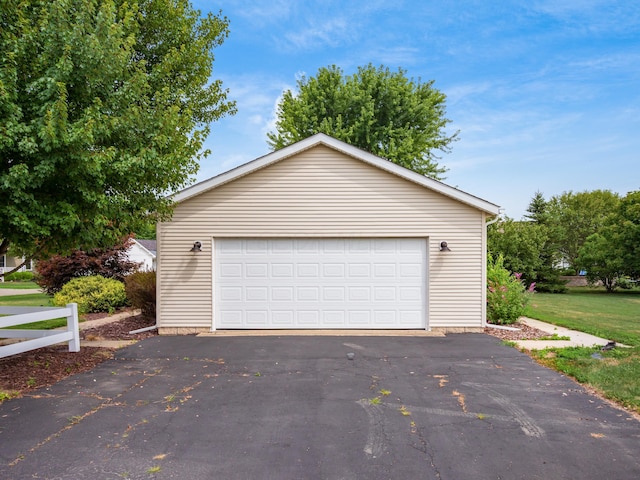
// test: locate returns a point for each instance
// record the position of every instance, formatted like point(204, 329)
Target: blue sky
point(545, 94)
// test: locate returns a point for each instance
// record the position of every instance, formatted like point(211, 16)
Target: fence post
point(72, 326)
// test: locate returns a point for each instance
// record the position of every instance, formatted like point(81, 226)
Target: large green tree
point(602, 258)
point(572, 217)
point(520, 244)
point(528, 247)
point(382, 112)
point(104, 107)
point(627, 217)
point(614, 251)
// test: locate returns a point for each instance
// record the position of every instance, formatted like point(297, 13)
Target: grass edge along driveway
point(616, 316)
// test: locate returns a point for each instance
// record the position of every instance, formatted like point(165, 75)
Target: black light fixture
point(444, 247)
point(197, 247)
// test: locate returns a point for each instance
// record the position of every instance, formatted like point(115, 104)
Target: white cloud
point(619, 61)
point(254, 94)
point(261, 13)
point(316, 34)
point(464, 91)
point(398, 56)
point(585, 17)
point(256, 120)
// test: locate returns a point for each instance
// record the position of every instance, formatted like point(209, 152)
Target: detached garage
point(322, 235)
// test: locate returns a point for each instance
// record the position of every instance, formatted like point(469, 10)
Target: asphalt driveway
point(457, 407)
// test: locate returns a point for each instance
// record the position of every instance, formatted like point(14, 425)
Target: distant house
point(143, 252)
point(9, 262)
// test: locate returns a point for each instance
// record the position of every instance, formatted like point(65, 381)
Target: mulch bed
point(525, 332)
point(29, 371)
point(120, 330)
point(43, 367)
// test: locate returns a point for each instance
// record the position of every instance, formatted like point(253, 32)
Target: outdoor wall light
point(444, 247)
point(197, 247)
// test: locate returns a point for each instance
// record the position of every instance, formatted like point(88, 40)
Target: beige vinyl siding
point(323, 193)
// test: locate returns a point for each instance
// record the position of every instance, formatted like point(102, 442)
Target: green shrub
point(112, 262)
point(506, 295)
point(19, 277)
point(141, 292)
point(568, 272)
point(92, 294)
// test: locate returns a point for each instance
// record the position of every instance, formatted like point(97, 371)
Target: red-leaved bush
point(54, 273)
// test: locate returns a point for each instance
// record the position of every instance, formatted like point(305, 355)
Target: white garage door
point(320, 283)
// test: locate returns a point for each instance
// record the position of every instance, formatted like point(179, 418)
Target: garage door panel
point(308, 270)
point(382, 318)
point(408, 316)
point(308, 294)
point(283, 318)
point(231, 294)
point(410, 270)
point(257, 247)
point(410, 294)
point(284, 270)
point(333, 270)
point(384, 293)
point(359, 246)
point(259, 270)
point(384, 270)
point(333, 294)
point(226, 270)
point(308, 318)
point(282, 294)
point(360, 294)
point(333, 319)
point(230, 317)
point(359, 318)
point(333, 246)
point(320, 283)
point(307, 246)
point(359, 270)
point(257, 294)
point(257, 319)
point(283, 247)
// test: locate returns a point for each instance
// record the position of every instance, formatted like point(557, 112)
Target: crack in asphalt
point(109, 402)
point(427, 449)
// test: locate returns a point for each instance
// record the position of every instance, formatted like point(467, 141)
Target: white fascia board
point(246, 168)
point(350, 150)
point(412, 176)
point(144, 249)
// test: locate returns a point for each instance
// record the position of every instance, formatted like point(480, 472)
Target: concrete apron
point(323, 333)
point(578, 339)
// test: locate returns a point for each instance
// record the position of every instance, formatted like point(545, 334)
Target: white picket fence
point(38, 338)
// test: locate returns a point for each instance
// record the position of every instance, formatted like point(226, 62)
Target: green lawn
point(32, 300)
point(19, 285)
point(615, 316)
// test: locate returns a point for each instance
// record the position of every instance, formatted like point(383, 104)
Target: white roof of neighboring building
point(148, 245)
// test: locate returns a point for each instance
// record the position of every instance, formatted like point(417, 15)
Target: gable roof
point(148, 245)
point(345, 148)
